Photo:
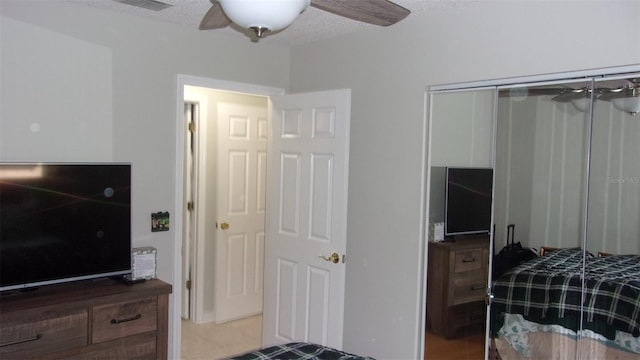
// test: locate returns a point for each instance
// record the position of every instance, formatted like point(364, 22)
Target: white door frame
point(178, 210)
point(196, 263)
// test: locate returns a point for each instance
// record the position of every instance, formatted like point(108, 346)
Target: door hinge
point(190, 206)
point(188, 284)
point(192, 127)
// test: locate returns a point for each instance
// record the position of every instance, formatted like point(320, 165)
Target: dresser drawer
point(124, 319)
point(138, 347)
point(27, 333)
point(468, 314)
point(468, 288)
point(468, 260)
point(457, 276)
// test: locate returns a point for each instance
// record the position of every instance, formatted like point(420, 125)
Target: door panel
point(289, 205)
point(287, 299)
point(318, 298)
point(541, 166)
point(241, 177)
point(456, 287)
point(306, 218)
point(321, 170)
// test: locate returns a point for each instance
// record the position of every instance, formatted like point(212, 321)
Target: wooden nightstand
point(457, 284)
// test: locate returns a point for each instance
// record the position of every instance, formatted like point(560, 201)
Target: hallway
point(210, 341)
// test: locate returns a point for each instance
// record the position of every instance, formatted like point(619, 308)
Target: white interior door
point(307, 183)
point(241, 176)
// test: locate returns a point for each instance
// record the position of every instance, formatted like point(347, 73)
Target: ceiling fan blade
point(376, 12)
point(215, 18)
point(534, 91)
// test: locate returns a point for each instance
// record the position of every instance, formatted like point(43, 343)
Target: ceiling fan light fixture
point(629, 105)
point(582, 104)
point(263, 15)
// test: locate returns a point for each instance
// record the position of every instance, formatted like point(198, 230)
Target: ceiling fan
point(624, 96)
point(262, 16)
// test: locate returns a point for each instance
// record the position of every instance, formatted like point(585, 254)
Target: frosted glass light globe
point(630, 105)
point(582, 104)
point(272, 15)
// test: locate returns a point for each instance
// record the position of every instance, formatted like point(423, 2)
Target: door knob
point(489, 298)
point(334, 258)
point(224, 226)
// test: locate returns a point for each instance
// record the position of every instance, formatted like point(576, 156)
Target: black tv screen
point(468, 197)
point(63, 222)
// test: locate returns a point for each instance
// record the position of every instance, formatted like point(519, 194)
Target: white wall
point(103, 87)
point(388, 70)
point(542, 157)
point(48, 77)
point(614, 190)
point(542, 154)
point(462, 128)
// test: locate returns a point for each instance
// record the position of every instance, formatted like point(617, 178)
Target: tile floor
point(211, 342)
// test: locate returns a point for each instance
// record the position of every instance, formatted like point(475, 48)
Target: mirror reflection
point(565, 179)
point(459, 222)
point(564, 259)
point(541, 167)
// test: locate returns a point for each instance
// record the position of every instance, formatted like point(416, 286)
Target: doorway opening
point(308, 177)
point(225, 173)
point(205, 231)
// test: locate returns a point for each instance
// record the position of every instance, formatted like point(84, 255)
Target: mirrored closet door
point(541, 168)
point(461, 138)
point(565, 156)
point(610, 320)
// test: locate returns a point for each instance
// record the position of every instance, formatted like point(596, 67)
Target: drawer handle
point(120, 321)
point(474, 288)
point(16, 342)
point(468, 260)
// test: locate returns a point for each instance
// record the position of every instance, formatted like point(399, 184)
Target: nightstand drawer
point(469, 288)
point(33, 332)
point(470, 313)
point(124, 319)
point(468, 260)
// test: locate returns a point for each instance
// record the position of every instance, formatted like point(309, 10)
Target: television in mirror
point(468, 199)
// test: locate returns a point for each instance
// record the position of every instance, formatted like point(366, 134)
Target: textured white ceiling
point(311, 25)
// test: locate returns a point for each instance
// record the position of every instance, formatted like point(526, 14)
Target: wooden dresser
point(457, 284)
point(98, 319)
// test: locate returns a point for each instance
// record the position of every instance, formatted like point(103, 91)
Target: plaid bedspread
point(300, 351)
point(548, 290)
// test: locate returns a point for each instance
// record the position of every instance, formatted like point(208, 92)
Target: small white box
point(143, 263)
point(438, 232)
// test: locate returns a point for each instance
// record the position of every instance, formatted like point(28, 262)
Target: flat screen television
point(468, 194)
point(63, 222)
